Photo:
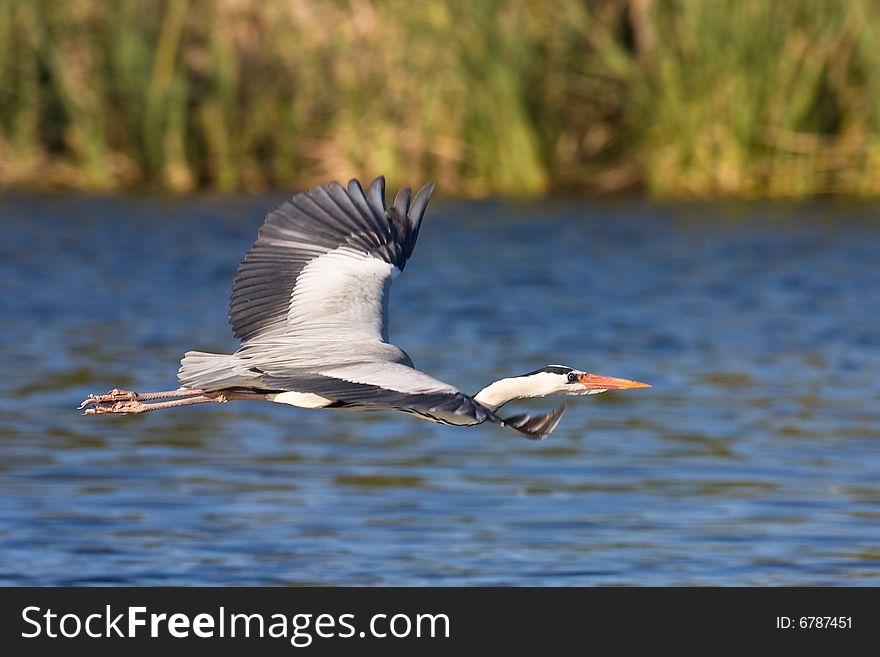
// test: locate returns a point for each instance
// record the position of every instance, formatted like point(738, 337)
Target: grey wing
point(386, 386)
point(323, 263)
point(313, 289)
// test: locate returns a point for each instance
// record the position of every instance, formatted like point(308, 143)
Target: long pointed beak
point(599, 382)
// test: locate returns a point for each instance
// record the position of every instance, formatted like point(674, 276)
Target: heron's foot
point(118, 408)
point(115, 395)
point(125, 402)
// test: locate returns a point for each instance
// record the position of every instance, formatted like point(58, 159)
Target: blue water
point(754, 459)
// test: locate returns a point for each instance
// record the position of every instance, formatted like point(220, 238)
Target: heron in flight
point(310, 307)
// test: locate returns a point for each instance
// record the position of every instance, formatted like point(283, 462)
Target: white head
point(569, 381)
point(549, 380)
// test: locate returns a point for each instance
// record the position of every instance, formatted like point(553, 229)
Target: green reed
point(678, 98)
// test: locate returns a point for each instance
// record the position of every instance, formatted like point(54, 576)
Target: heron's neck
point(495, 395)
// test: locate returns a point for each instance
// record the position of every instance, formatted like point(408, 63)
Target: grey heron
point(309, 305)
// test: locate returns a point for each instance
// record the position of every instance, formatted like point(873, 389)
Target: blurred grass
point(677, 98)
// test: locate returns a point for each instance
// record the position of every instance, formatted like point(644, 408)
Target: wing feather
point(535, 427)
point(376, 197)
point(356, 193)
point(326, 220)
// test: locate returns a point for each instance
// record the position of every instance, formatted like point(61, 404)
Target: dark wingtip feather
point(357, 196)
point(401, 201)
point(377, 196)
point(419, 204)
point(538, 427)
point(355, 189)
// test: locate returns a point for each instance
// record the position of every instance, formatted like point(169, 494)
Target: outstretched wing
point(384, 386)
point(323, 264)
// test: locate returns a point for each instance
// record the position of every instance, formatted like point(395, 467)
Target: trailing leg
point(125, 402)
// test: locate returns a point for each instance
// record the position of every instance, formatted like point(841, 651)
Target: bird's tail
point(535, 427)
point(203, 371)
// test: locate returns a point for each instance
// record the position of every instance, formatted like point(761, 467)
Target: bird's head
point(550, 380)
point(569, 381)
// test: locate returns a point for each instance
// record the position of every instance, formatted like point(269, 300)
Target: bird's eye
point(572, 377)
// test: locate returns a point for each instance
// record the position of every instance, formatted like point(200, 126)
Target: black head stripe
point(551, 369)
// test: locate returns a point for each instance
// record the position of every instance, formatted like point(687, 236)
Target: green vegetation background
point(677, 98)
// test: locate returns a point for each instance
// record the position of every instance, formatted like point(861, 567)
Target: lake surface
point(754, 459)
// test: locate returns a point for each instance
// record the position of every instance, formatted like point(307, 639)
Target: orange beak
point(599, 382)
